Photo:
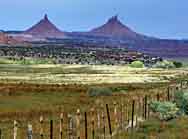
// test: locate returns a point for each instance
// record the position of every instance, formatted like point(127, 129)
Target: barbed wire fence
point(104, 121)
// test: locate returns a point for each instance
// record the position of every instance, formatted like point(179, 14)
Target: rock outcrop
point(44, 29)
point(115, 28)
point(6, 39)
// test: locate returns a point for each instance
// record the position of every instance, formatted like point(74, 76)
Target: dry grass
point(83, 74)
point(26, 92)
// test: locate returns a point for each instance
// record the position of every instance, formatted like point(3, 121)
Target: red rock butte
point(114, 27)
point(5, 39)
point(45, 29)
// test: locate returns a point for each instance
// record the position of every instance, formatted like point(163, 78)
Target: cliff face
point(5, 39)
point(44, 29)
point(113, 27)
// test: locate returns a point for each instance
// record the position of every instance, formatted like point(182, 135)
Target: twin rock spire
point(45, 28)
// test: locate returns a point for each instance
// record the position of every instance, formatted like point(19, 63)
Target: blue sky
point(159, 18)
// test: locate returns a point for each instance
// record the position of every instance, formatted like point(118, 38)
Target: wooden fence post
point(98, 119)
point(173, 93)
point(181, 85)
point(86, 134)
point(139, 108)
point(109, 121)
point(168, 94)
point(122, 115)
point(115, 115)
point(85, 125)
point(158, 97)
point(30, 132)
point(132, 119)
point(61, 126)
point(104, 126)
point(41, 127)
point(15, 129)
point(127, 112)
point(51, 129)
point(143, 105)
point(137, 122)
point(145, 110)
point(70, 126)
point(148, 106)
point(78, 118)
point(93, 122)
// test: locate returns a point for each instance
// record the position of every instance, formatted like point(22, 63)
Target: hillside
point(6, 39)
point(44, 29)
point(115, 28)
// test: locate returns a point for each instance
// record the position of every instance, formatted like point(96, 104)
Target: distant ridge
point(44, 29)
point(115, 28)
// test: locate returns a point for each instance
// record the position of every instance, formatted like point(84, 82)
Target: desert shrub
point(164, 110)
point(151, 125)
point(177, 64)
point(99, 91)
point(181, 100)
point(164, 64)
point(137, 64)
point(118, 89)
point(163, 130)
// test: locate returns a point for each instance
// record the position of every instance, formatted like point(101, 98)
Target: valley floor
point(85, 74)
point(29, 91)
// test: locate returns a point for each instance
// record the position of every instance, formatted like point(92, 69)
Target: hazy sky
point(159, 18)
